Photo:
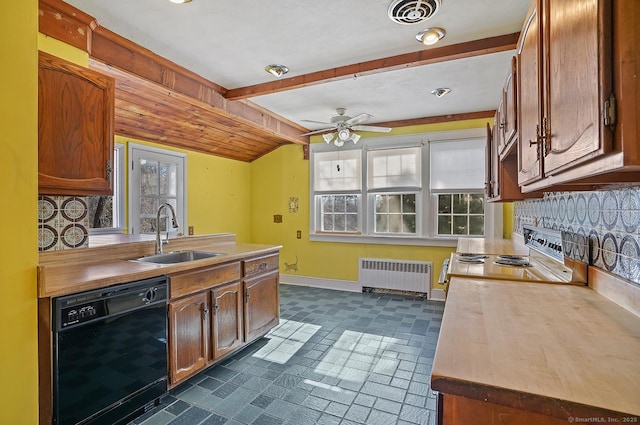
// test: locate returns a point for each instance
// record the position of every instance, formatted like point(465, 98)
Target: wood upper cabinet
point(509, 123)
point(189, 328)
point(529, 97)
point(502, 174)
point(227, 330)
point(76, 108)
point(564, 88)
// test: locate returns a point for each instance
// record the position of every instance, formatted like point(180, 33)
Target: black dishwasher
point(109, 353)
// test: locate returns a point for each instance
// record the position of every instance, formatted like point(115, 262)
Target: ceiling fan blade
point(317, 122)
point(358, 119)
point(371, 128)
point(324, 130)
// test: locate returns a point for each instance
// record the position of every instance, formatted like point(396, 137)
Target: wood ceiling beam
point(468, 49)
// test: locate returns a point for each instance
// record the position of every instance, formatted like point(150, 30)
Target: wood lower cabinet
point(189, 325)
point(76, 110)
point(214, 312)
point(262, 301)
point(262, 309)
point(227, 322)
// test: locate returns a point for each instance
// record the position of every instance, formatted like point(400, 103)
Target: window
point(156, 177)
point(106, 213)
point(459, 195)
point(423, 189)
point(394, 180)
point(338, 182)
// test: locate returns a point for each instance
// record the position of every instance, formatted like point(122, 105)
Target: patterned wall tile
point(62, 223)
point(610, 220)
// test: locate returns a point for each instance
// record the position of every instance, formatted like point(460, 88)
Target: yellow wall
point(218, 192)
point(18, 212)
point(283, 174)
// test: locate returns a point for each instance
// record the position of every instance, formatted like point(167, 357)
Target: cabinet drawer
point(193, 281)
point(263, 264)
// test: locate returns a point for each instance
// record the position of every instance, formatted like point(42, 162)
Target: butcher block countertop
point(513, 246)
point(559, 350)
point(109, 263)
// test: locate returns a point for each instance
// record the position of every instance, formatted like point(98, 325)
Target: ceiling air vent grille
point(408, 12)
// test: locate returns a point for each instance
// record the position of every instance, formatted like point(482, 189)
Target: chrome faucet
point(174, 222)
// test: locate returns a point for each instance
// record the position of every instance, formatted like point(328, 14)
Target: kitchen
point(20, 187)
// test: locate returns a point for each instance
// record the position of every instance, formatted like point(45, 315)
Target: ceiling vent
point(408, 12)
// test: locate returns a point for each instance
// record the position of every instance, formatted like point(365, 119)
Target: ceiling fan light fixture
point(431, 36)
point(344, 134)
point(276, 70)
point(441, 91)
point(328, 137)
point(355, 137)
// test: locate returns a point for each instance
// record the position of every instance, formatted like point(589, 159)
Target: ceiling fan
point(342, 128)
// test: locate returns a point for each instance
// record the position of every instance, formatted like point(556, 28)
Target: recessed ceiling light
point(430, 36)
point(179, 1)
point(439, 92)
point(276, 70)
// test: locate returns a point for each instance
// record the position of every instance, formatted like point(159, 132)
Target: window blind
point(457, 165)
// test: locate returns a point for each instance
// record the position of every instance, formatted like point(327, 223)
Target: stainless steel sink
point(178, 257)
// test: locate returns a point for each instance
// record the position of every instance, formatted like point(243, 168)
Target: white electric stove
point(555, 256)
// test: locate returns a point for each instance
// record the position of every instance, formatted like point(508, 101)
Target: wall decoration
point(63, 223)
point(293, 204)
point(293, 267)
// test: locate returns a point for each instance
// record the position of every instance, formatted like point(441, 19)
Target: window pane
point(444, 204)
point(444, 225)
point(339, 204)
point(352, 223)
point(476, 225)
point(100, 211)
point(148, 207)
point(327, 223)
point(168, 182)
point(409, 223)
point(395, 223)
point(394, 204)
point(148, 177)
point(327, 204)
point(381, 223)
point(381, 203)
point(476, 204)
point(339, 223)
point(409, 203)
point(460, 203)
point(352, 204)
point(460, 225)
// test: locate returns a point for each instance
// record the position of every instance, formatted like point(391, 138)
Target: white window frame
point(119, 194)
point(426, 208)
point(135, 150)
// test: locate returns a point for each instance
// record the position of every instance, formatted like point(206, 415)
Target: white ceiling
point(230, 43)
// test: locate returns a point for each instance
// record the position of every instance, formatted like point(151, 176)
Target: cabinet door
point(262, 305)
point(509, 109)
point(76, 108)
point(227, 320)
point(578, 69)
point(489, 163)
point(189, 325)
point(529, 99)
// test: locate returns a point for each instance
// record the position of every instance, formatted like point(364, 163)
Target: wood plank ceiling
point(159, 101)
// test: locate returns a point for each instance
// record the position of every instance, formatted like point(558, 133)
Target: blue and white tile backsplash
point(63, 223)
point(609, 219)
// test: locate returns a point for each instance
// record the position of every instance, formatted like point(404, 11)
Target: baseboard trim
point(437, 295)
point(314, 282)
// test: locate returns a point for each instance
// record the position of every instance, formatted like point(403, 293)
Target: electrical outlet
point(299, 234)
point(190, 230)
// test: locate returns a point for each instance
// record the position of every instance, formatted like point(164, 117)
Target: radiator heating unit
point(395, 275)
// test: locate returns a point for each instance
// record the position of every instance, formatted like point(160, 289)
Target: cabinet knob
point(247, 295)
point(109, 170)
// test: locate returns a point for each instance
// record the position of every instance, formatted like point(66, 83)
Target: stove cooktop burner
point(471, 258)
point(516, 262)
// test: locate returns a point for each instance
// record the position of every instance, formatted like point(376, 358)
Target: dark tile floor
point(336, 358)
